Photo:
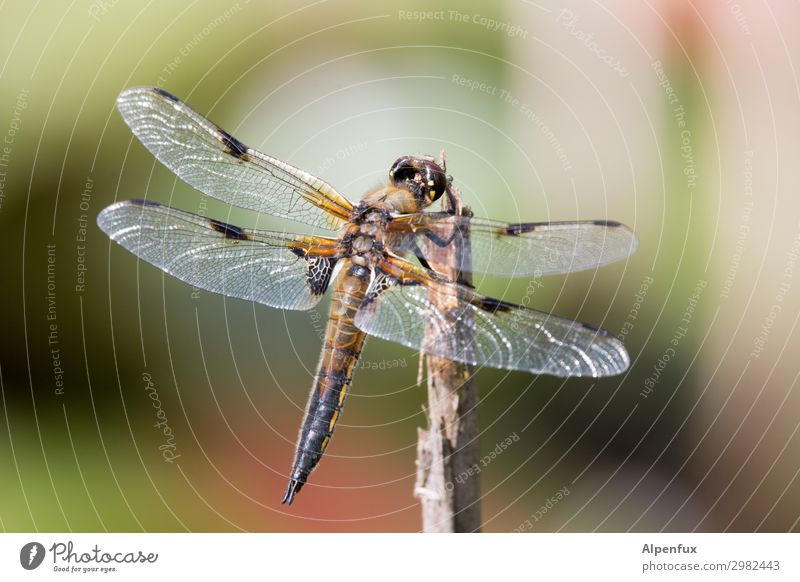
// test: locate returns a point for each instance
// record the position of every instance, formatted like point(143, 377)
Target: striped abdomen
point(343, 343)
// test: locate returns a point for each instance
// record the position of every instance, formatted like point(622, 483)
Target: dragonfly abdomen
point(343, 344)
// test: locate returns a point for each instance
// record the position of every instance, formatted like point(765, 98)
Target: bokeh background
point(679, 118)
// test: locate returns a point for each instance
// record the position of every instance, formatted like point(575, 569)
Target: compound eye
point(436, 181)
point(402, 171)
point(421, 176)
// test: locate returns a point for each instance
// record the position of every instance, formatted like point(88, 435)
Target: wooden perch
point(448, 490)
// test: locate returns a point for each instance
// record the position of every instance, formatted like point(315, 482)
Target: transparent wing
point(213, 161)
point(260, 266)
point(449, 320)
point(521, 250)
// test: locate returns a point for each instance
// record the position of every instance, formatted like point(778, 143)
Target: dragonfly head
point(421, 176)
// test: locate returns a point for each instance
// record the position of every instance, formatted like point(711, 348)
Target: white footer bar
point(354, 557)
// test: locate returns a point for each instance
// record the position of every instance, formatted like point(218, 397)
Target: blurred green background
point(678, 118)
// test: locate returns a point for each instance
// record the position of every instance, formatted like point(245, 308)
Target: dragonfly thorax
point(363, 244)
point(363, 240)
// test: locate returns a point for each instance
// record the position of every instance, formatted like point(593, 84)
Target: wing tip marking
point(108, 213)
point(165, 94)
point(607, 223)
point(598, 330)
point(141, 202)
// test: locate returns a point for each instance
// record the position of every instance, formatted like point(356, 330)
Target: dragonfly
point(374, 258)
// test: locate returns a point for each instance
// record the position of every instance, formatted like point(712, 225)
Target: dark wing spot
point(383, 281)
point(166, 95)
point(495, 305)
point(611, 223)
point(320, 270)
point(233, 146)
point(230, 231)
point(516, 229)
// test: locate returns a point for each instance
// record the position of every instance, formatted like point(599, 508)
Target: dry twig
point(448, 491)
